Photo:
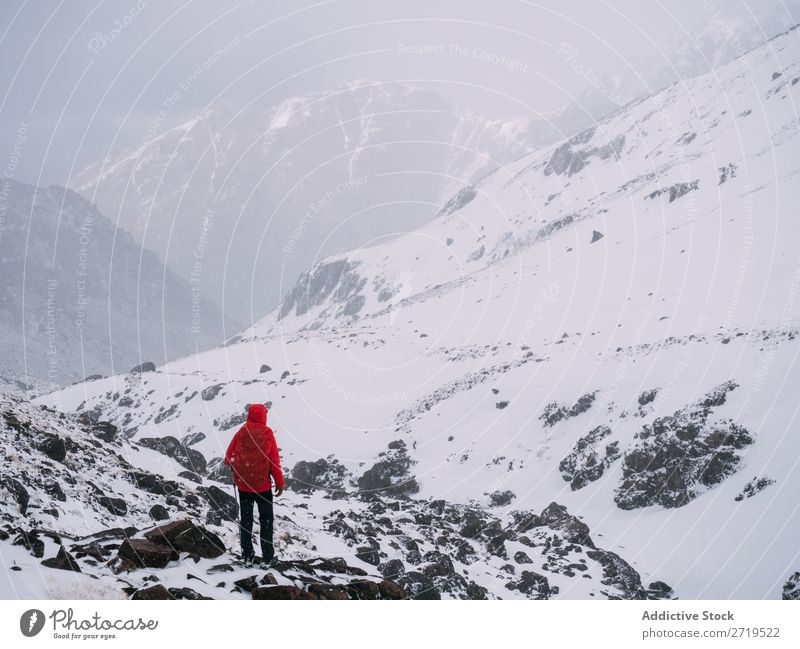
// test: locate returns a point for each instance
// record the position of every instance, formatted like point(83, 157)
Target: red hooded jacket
point(253, 453)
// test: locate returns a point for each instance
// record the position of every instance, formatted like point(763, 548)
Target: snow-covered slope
point(609, 323)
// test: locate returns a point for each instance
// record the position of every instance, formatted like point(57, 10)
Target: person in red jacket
point(253, 456)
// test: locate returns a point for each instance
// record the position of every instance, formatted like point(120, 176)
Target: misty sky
point(81, 79)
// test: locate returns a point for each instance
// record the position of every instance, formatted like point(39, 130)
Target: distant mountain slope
point(609, 323)
point(80, 297)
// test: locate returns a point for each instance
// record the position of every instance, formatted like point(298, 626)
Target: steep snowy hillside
point(609, 324)
point(264, 192)
point(79, 297)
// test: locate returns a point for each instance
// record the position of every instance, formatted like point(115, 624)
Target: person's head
point(257, 413)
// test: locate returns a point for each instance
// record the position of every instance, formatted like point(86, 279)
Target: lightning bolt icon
point(32, 622)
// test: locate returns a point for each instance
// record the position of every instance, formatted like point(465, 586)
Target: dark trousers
point(264, 502)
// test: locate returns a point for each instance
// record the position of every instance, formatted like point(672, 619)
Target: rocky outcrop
point(791, 589)
point(391, 474)
point(185, 536)
point(555, 412)
point(589, 458)
point(170, 446)
point(62, 561)
point(324, 473)
point(146, 554)
point(753, 487)
point(679, 456)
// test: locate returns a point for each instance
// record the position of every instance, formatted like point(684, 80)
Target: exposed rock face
point(159, 513)
point(116, 506)
point(211, 391)
point(791, 589)
point(324, 473)
point(753, 487)
point(62, 561)
point(681, 455)
point(392, 473)
point(555, 412)
point(589, 459)
point(534, 585)
point(337, 280)
point(17, 491)
point(570, 158)
point(675, 191)
point(172, 447)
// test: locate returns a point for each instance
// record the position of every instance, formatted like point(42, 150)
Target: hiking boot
point(248, 560)
point(266, 565)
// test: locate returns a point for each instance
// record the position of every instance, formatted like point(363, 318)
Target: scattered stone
point(596, 236)
point(501, 498)
point(791, 589)
point(62, 561)
point(586, 462)
point(147, 366)
point(753, 487)
point(19, 492)
point(220, 502)
point(116, 506)
point(184, 536)
point(208, 394)
point(264, 368)
point(152, 592)
point(189, 475)
point(171, 447)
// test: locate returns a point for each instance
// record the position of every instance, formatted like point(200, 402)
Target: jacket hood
point(257, 413)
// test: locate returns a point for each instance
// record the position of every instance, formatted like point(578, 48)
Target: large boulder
point(185, 536)
point(147, 554)
point(17, 491)
point(62, 561)
point(280, 592)
point(147, 366)
point(116, 506)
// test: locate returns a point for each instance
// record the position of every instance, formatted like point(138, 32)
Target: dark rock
point(52, 446)
point(659, 590)
point(556, 517)
point(440, 565)
point(329, 592)
point(364, 590)
point(159, 513)
point(501, 498)
point(211, 391)
point(648, 396)
point(278, 592)
point(62, 561)
point(532, 584)
point(19, 492)
point(116, 506)
point(191, 476)
point(320, 474)
point(680, 455)
point(184, 536)
point(285, 374)
point(54, 490)
point(419, 586)
point(171, 447)
point(522, 557)
point(147, 366)
point(791, 589)
point(152, 483)
point(186, 593)
point(193, 438)
point(753, 487)
point(248, 584)
point(368, 554)
point(221, 502)
point(152, 592)
point(587, 461)
point(618, 573)
point(219, 471)
point(392, 569)
point(146, 554)
point(264, 368)
point(220, 567)
point(31, 542)
point(390, 475)
point(596, 236)
point(501, 405)
point(391, 590)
